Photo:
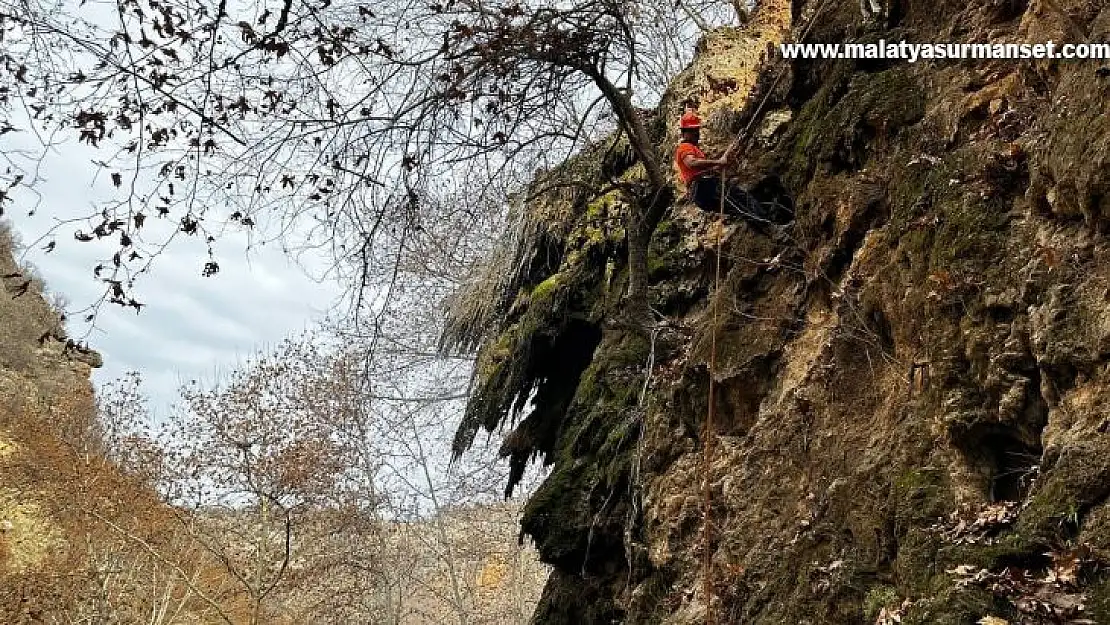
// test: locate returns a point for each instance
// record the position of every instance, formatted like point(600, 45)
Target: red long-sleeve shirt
point(683, 150)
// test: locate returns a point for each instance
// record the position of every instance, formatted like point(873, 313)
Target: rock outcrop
point(37, 382)
point(911, 392)
point(55, 559)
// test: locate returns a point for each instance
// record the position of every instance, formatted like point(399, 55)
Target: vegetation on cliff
point(908, 406)
point(909, 385)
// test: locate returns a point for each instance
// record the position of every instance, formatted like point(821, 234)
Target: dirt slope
point(911, 412)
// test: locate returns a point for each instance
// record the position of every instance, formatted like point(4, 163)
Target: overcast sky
point(193, 326)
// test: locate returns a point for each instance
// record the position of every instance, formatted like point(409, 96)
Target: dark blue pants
point(705, 191)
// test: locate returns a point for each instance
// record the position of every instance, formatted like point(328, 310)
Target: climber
point(703, 176)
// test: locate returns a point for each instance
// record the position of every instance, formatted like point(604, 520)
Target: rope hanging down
point(708, 435)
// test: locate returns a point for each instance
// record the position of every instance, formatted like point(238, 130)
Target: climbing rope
point(708, 436)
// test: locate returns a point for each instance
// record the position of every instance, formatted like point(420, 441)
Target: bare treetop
point(338, 121)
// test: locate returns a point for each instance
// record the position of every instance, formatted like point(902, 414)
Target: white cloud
point(192, 326)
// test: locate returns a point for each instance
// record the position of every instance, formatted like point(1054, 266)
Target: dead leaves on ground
point(1053, 596)
point(987, 523)
point(1051, 593)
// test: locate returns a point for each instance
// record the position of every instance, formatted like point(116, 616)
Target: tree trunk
point(644, 216)
point(639, 239)
point(645, 211)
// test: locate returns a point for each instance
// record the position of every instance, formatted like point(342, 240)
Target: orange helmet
point(690, 121)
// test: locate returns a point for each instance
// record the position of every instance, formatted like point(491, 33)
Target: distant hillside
point(45, 397)
point(58, 495)
point(81, 541)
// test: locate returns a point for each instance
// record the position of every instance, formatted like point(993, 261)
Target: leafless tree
point(300, 490)
point(337, 120)
point(265, 475)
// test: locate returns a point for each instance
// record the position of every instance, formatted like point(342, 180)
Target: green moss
point(543, 291)
point(1054, 509)
point(916, 566)
point(807, 127)
point(594, 452)
point(1002, 552)
point(907, 187)
point(635, 173)
point(921, 496)
point(1098, 602)
point(489, 366)
point(558, 515)
point(968, 233)
point(955, 607)
point(505, 375)
point(668, 230)
point(631, 349)
point(618, 436)
point(599, 423)
point(665, 255)
point(832, 128)
point(649, 602)
point(968, 226)
point(600, 208)
point(877, 598)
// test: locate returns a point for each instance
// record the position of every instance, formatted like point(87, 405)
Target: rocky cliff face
point(911, 392)
point(42, 383)
point(54, 564)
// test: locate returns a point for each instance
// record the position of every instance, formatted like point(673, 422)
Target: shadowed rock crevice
point(558, 367)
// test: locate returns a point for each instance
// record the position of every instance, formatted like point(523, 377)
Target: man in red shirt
point(702, 175)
